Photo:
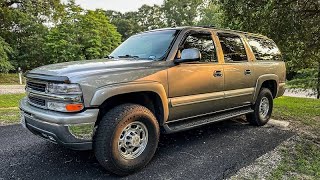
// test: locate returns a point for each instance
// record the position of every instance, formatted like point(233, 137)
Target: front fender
point(109, 91)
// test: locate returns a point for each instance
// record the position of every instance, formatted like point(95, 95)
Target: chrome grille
point(37, 101)
point(36, 86)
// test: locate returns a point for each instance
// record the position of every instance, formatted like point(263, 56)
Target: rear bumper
point(281, 89)
point(72, 130)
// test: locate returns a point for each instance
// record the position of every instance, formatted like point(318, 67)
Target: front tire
point(126, 139)
point(262, 108)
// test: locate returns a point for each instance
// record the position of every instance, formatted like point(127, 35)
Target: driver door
point(196, 88)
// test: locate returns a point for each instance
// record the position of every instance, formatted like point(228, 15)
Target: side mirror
point(189, 55)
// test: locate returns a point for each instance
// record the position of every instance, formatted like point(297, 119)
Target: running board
point(172, 127)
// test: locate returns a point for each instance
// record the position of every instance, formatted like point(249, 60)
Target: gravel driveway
point(12, 89)
point(299, 93)
point(215, 151)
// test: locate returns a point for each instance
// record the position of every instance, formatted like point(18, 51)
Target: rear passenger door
point(238, 71)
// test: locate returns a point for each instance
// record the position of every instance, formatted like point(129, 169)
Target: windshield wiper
point(109, 57)
point(129, 56)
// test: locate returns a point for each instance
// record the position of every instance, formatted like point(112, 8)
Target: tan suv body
point(169, 79)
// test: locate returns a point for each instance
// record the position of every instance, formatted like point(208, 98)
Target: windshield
point(150, 45)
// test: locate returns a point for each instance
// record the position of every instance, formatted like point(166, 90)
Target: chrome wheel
point(264, 107)
point(133, 140)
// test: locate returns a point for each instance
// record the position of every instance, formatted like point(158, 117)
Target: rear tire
point(126, 139)
point(262, 108)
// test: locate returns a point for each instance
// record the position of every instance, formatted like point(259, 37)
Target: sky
point(117, 5)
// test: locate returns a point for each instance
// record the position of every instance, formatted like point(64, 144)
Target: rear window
point(264, 49)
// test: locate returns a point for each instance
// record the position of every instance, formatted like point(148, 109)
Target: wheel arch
point(270, 81)
point(149, 94)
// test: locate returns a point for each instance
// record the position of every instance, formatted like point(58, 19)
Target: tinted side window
point(264, 49)
point(233, 48)
point(204, 43)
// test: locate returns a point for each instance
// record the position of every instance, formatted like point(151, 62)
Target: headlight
point(64, 88)
point(65, 107)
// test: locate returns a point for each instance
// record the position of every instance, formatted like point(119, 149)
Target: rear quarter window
point(264, 49)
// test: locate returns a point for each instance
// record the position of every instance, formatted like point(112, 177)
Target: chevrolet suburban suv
point(159, 81)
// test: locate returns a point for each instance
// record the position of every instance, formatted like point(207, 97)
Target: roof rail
point(242, 32)
point(207, 26)
point(223, 29)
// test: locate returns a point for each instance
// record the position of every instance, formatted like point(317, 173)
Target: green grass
point(10, 100)
point(301, 160)
point(9, 116)
point(9, 112)
point(303, 110)
point(9, 79)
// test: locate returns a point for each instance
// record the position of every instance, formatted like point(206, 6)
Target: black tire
point(256, 118)
point(107, 136)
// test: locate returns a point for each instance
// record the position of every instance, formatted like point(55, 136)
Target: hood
point(88, 67)
point(93, 74)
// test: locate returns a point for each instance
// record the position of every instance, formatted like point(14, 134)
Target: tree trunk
point(318, 85)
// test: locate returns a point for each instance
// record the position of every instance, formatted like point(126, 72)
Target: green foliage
point(99, 37)
point(23, 27)
point(44, 32)
point(126, 23)
point(81, 35)
point(305, 110)
point(305, 79)
point(293, 25)
point(181, 12)
point(171, 13)
point(212, 14)
point(146, 18)
point(10, 100)
point(300, 161)
point(150, 17)
point(5, 51)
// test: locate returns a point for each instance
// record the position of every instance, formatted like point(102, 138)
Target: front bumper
point(72, 130)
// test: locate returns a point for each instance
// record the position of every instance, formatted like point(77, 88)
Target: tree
point(150, 17)
point(23, 27)
point(5, 50)
point(81, 35)
point(181, 12)
point(99, 37)
point(212, 14)
point(293, 24)
point(146, 18)
point(127, 23)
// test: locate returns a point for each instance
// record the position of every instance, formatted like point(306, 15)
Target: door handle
point(217, 73)
point(247, 72)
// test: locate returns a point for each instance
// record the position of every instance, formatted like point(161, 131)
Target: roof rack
point(207, 26)
point(242, 32)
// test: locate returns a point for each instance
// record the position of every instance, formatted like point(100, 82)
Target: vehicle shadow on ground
point(213, 151)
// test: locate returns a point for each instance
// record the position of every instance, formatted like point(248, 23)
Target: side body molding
point(106, 92)
point(262, 79)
